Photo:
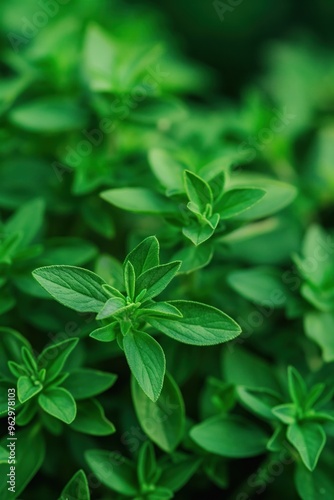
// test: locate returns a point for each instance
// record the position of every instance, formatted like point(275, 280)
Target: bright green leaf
point(147, 362)
point(237, 201)
point(114, 471)
point(85, 383)
point(90, 419)
point(73, 287)
point(144, 256)
point(141, 200)
point(155, 280)
point(76, 488)
point(200, 324)
point(198, 191)
point(59, 403)
point(309, 439)
point(230, 436)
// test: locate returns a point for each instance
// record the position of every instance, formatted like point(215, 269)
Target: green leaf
point(58, 403)
point(319, 327)
point(164, 420)
point(159, 309)
point(27, 220)
point(111, 270)
point(241, 367)
point(217, 184)
point(198, 191)
point(74, 287)
point(29, 458)
point(276, 442)
point(314, 395)
point(8, 247)
point(112, 305)
point(160, 494)
point(167, 170)
point(113, 292)
point(85, 383)
point(200, 324)
point(194, 257)
point(114, 471)
point(261, 285)
point(141, 200)
point(27, 389)
point(129, 280)
point(144, 256)
point(48, 115)
point(90, 419)
point(237, 201)
point(319, 416)
point(177, 472)
point(309, 439)
point(230, 436)
point(259, 401)
point(29, 360)
point(69, 251)
point(297, 387)
point(155, 280)
point(321, 299)
point(54, 357)
point(106, 333)
point(11, 343)
point(286, 413)
point(199, 233)
point(278, 194)
point(147, 362)
point(77, 488)
point(314, 485)
point(147, 465)
point(315, 239)
point(99, 71)
point(16, 369)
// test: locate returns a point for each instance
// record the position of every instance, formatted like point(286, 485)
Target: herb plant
point(125, 315)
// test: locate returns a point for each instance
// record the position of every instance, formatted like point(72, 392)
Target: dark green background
point(236, 47)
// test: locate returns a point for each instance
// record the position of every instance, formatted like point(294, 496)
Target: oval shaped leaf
point(308, 438)
point(230, 436)
point(73, 287)
point(163, 421)
point(147, 362)
point(85, 383)
point(237, 201)
point(155, 280)
point(90, 419)
point(76, 488)
point(200, 324)
point(114, 471)
point(141, 200)
point(59, 403)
